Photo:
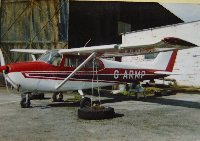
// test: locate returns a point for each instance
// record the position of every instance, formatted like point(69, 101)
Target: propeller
point(4, 69)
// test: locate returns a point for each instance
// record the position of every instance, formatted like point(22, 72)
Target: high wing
point(32, 51)
point(113, 50)
point(165, 44)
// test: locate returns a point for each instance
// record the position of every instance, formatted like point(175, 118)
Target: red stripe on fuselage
point(116, 75)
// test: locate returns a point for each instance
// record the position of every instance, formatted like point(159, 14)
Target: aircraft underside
point(46, 84)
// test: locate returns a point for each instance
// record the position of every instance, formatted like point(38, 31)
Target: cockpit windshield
point(51, 57)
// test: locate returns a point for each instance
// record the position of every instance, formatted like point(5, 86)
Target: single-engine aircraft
point(88, 67)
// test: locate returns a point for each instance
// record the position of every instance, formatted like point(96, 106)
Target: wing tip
point(178, 41)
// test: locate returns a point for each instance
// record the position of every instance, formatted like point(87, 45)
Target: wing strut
point(77, 69)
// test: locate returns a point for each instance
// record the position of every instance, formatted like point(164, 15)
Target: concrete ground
point(167, 118)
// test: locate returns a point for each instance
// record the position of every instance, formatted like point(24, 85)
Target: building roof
point(160, 1)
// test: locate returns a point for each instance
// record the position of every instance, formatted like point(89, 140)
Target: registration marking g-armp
point(129, 74)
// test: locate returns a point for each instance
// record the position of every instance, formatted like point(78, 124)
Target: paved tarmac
point(167, 118)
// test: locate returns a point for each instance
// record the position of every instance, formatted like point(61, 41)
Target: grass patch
point(148, 90)
point(76, 98)
point(126, 93)
point(152, 90)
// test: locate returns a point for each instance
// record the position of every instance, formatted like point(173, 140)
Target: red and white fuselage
point(83, 68)
point(44, 76)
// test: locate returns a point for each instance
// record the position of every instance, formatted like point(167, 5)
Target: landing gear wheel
point(60, 97)
point(85, 102)
point(25, 101)
point(96, 114)
point(57, 97)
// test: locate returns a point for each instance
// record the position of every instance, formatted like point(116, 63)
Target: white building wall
point(188, 60)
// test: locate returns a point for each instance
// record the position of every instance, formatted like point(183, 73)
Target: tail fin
point(165, 61)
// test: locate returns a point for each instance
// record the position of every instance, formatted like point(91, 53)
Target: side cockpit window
point(92, 64)
point(56, 61)
point(74, 62)
point(53, 58)
point(71, 62)
point(45, 57)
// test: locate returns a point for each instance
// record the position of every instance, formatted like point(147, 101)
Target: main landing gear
point(90, 111)
point(57, 97)
point(85, 101)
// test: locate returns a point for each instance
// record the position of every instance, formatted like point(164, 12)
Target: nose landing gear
point(25, 100)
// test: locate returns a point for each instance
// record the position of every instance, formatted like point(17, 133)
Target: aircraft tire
point(60, 97)
point(25, 104)
point(57, 97)
point(96, 114)
point(85, 102)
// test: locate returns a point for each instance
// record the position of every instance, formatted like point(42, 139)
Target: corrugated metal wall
point(33, 24)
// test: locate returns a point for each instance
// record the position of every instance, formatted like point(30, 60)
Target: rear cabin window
point(75, 62)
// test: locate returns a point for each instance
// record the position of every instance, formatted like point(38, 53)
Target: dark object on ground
point(164, 93)
point(157, 93)
point(64, 104)
point(96, 114)
point(170, 92)
point(37, 96)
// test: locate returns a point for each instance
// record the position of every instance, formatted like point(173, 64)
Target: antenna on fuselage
point(87, 42)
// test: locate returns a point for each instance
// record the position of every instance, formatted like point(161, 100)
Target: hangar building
point(63, 23)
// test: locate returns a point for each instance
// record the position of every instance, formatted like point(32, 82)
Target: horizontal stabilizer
point(167, 73)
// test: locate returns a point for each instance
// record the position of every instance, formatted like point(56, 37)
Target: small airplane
point(88, 67)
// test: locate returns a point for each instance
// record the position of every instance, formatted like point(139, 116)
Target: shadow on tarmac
point(113, 98)
point(151, 99)
point(173, 102)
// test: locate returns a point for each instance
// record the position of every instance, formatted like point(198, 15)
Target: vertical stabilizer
point(165, 61)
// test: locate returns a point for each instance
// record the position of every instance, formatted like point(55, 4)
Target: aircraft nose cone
point(2, 68)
